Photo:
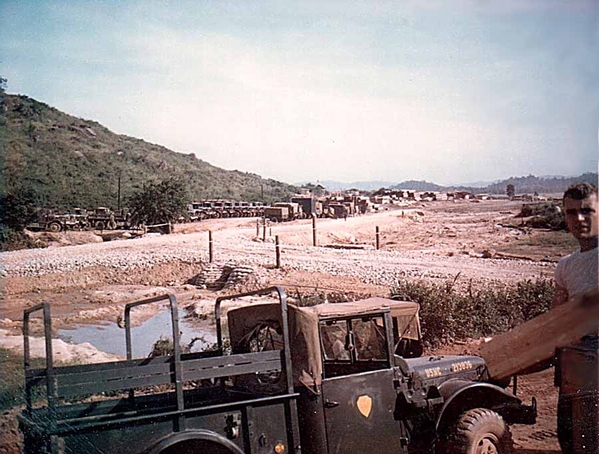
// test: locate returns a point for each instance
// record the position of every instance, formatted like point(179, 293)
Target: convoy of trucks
point(328, 379)
point(100, 218)
point(300, 207)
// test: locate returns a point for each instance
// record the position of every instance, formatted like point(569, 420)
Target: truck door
point(358, 392)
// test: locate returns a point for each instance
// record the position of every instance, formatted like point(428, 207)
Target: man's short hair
point(580, 191)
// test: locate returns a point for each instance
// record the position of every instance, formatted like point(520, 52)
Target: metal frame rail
point(76, 380)
point(50, 382)
point(284, 320)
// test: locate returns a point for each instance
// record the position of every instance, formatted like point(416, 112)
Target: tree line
point(156, 202)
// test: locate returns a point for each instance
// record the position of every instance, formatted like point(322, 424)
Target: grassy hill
point(67, 161)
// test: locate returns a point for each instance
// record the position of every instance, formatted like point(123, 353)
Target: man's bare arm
point(560, 296)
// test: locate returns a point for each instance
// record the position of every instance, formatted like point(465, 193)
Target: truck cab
point(364, 385)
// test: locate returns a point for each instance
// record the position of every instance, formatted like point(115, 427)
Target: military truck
point(310, 205)
point(294, 209)
point(51, 221)
point(102, 218)
point(330, 379)
point(277, 214)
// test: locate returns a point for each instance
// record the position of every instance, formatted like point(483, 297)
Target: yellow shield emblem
point(365, 405)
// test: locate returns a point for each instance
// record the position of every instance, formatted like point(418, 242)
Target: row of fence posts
point(277, 243)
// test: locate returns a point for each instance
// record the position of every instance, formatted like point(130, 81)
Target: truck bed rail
point(80, 380)
point(68, 382)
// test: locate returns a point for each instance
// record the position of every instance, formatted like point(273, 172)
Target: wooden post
point(258, 228)
point(210, 249)
point(313, 229)
point(378, 243)
point(264, 229)
point(278, 251)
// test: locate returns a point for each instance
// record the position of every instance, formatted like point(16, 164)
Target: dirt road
point(481, 241)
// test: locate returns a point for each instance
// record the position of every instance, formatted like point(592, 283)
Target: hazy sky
point(447, 91)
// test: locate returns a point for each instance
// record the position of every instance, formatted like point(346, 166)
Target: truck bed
point(80, 395)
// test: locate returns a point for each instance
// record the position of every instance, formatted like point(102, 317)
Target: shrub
point(543, 215)
point(11, 240)
point(449, 312)
point(17, 209)
point(164, 346)
point(158, 202)
point(12, 380)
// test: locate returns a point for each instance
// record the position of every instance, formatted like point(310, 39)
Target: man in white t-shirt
point(577, 367)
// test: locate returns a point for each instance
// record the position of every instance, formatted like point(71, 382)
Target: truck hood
point(450, 366)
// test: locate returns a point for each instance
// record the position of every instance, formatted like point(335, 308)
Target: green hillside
point(67, 162)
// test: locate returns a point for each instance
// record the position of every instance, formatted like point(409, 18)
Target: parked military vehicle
point(277, 214)
point(102, 218)
point(214, 209)
point(295, 210)
point(51, 221)
point(336, 211)
point(311, 206)
point(334, 378)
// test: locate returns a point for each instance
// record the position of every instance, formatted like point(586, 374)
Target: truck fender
point(199, 435)
point(461, 395)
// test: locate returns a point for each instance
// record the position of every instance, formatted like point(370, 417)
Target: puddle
point(110, 338)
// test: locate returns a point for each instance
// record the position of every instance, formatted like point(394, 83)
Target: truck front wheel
point(479, 431)
point(191, 446)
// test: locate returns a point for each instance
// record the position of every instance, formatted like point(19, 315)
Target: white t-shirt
point(577, 272)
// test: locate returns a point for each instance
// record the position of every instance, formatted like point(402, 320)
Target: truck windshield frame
point(351, 344)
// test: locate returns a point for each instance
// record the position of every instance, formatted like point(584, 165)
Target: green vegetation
point(541, 185)
point(449, 312)
point(158, 202)
point(544, 215)
point(68, 162)
point(510, 190)
point(17, 209)
point(12, 379)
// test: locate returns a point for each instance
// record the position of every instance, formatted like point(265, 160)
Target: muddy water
point(110, 338)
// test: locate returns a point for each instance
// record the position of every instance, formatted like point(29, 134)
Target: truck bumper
point(519, 413)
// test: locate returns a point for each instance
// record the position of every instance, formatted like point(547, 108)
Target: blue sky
point(447, 91)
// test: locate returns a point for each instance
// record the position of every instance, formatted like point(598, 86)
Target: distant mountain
point(362, 185)
point(473, 184)
point(67, 161)
point(542, 185)
point(418, 186)
point(523, 185)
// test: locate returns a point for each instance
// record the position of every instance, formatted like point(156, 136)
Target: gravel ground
point(240, 245)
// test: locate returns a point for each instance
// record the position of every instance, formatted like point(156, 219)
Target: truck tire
point(55, 227)
point(100, 225)
point(191, 446)
point(479, 431)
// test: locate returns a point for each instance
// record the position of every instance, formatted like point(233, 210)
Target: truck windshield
point(362, 338)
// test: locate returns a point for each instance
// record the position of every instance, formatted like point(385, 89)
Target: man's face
point(581, 217)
